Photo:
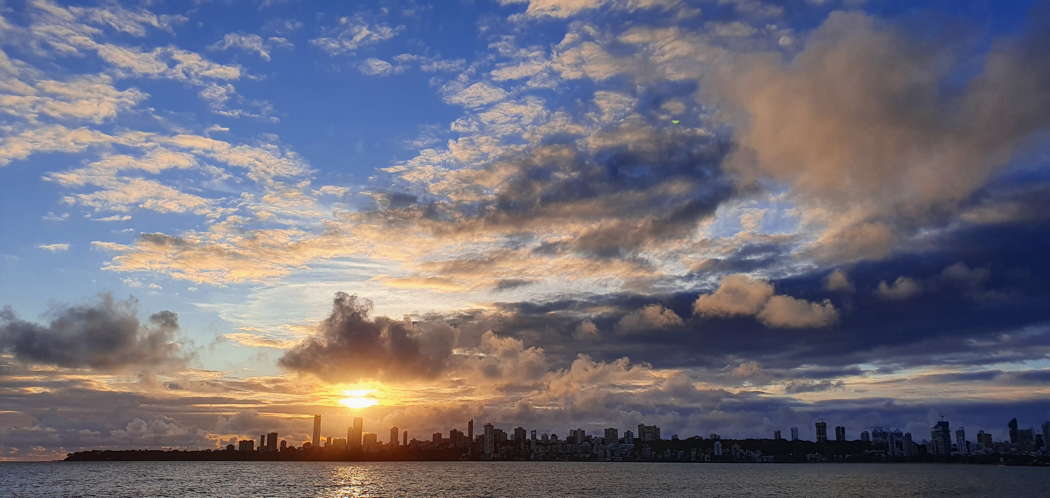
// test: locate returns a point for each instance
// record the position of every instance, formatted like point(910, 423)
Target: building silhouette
point(612, 435)
point(941, 439)
point(489, 441)
point(840, 433)
point(822, 431)
point(794, 433)
point(353, 434)
point(394, 434)
point(271, 441)
point(1012, 425)
point(647, 433)
point(316, 440)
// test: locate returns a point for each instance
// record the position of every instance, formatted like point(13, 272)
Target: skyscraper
point(353, 435)
point(612, 435)
point(794, 433)
point(1013, 430)
point(984, 440)
point(489, 443)
point(470, 430)
point(941, 439)
point(404, 438)
point(648, 432)
point(822, 431)
point(840, 433)
point(960, 440)
point(394, 433)
point(316, 441)
point(271, 441)
point(776, 435)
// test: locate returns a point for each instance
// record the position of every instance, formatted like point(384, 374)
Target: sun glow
point(358, 398)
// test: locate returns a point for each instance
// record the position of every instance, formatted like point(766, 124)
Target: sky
point(717, 216)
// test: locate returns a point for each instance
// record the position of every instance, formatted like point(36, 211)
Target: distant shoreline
point(228, 456)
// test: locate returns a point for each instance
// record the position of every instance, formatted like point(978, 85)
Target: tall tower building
point(776, 435)
point(404, 438)
point(316, 441)
point(394, 433)
point(822, 431)
point(1013, 430)
point(840, 433)
point(353, 435)
point(794, 433)
point(271, 441)
point(941, 439)
point(489, 446)
point(470, 430)
point(612, 435)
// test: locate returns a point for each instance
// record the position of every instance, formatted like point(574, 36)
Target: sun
point(358, 398)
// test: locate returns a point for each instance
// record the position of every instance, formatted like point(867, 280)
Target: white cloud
point(353, 33)
point(250, 42)
point(475, 95)
point(378, 67)
point(61, 247)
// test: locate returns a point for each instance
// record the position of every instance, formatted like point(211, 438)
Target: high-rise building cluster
point(494, 443)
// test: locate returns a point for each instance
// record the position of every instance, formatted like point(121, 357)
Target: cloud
point(475, 95)
point(867, 154)
point(90, 98)
point(105, 336)
point(378, 67)
point(741, 295)
point(651, 317)
point(259, 341)
point(736, 295)
point(838, 281)
point(902, 288)
point(789, 312)
point(353, 33)
point(797, 387)
point(350, 346)
point(63, 247)
point(251, 43)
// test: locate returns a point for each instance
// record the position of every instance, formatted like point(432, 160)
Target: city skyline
point(646, 444)
point(222, 220)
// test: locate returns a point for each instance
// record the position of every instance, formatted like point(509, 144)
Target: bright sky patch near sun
point(713, 215)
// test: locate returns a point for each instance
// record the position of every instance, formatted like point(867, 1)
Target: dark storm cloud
point(984, 302)
point(104, 336)
point(350, 346)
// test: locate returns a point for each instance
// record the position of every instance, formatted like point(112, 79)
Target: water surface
point(517, 479)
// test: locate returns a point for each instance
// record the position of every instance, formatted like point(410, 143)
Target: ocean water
point(516, 479)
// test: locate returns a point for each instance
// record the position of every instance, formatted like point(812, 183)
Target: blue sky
point(727, 194)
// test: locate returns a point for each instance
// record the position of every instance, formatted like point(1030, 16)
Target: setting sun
point(358, 398)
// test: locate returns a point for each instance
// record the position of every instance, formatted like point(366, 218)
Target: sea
point(515, 479)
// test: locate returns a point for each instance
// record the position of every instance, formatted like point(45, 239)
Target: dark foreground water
point(516, 479)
